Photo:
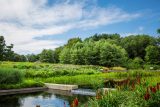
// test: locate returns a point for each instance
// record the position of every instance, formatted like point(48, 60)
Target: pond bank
point(23, 90)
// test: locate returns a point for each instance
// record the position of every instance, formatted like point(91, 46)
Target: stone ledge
point(61, 86)
point(23, 90)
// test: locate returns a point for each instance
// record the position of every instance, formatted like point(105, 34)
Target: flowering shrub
point(135, 93)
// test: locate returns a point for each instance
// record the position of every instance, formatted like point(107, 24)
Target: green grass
point(10, 76)
point(82, 75)
point(24, 84)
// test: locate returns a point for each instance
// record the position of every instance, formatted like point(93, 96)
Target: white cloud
point(128, 34)
point(23, 20)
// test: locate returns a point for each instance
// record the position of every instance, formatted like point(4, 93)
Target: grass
point(10, 76)
point(24, 84)
point(82, 75)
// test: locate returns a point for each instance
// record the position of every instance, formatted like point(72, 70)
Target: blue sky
point(33, 25)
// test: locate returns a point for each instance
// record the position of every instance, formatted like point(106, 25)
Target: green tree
point(158, 31)
point(19, 58)
point(2, 48)
point(91, 53)
point(153, 54)
point(71, 42)
point(114, 37)
point(57, 52)
point(112, 55)
point(47, 56)
point(77, 55)
point(9, 53)
point(65, 56)
point(135, 45)
point(32, 57)
point(6, 52)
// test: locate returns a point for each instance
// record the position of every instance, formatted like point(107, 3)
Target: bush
point(118, 68)
point(10, 76)
point(136, 63)
point(151, 67)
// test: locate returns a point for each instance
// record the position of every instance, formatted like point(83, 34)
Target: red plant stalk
point(98, 95)
point(138, 80)
point(76, 102)
point(147, 95)
point(154, 90)
point(133, 86)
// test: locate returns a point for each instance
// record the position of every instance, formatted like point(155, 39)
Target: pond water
point(48, 98)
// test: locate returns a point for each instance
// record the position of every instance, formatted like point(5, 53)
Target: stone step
point(61, 86)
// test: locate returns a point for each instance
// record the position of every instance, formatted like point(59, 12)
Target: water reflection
point(44, 99)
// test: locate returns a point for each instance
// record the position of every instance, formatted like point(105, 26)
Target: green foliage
point(91, 52)
point(65, 56)
point(10, 76)
point(24, 84)
point(19, 58)
point(71, 42)
point(135, 45)
point(57, 52)
point(6, 52)
point(158, 31)
point(77, 55)
point(47, 56)
point(32, 57)
point(152, 54)
point(112, 55)
point(118, 99)
point(98, 37)
point(2, 47)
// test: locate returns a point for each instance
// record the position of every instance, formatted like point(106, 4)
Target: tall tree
point(32, 57)
point(135, 45)
point(72, 42)
point(47, 56)
point(2, 47)
point(112, 55)
point(153, 54)
point(57, 52)
point(65, 56)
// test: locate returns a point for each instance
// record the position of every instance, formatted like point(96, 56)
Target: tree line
point(99, 49)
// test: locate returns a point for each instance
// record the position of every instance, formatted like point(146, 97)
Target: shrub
point(136, 63)
point(151, 67)
point(10, 76)
point(118, 68)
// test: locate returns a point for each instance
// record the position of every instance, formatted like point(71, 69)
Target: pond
point(47, 98)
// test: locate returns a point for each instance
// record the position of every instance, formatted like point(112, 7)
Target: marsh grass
point(10, 76)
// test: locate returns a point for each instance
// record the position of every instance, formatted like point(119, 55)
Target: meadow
point(29, 74)
point(15, 75)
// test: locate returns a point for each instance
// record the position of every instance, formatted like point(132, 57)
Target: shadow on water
point(49, 98)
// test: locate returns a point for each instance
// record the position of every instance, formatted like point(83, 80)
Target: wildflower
point(138, 80)
point(147, 96)
point(153, 90)
point(98, 95)
point(133, 86)
point(76, 102)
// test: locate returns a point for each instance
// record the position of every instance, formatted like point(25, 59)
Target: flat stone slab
point(60, 92)
point(23, 90)
point(108, 89)
point(61, 86)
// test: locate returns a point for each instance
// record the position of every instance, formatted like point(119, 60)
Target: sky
point(34, 25)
